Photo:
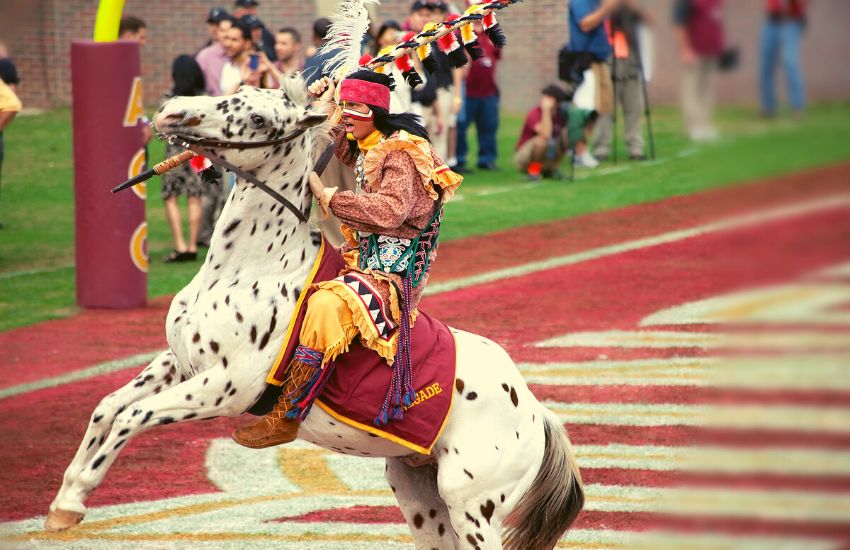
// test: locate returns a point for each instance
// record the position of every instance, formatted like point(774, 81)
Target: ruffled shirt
point(398, 200)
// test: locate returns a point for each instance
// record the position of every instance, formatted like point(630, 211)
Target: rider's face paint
point(358, 119)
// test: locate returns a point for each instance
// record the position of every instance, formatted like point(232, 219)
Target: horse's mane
point(296, 90)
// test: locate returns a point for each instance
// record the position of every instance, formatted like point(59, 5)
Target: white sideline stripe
point(13, 274)
point(814, 371)
point(712, 459)
point(777, 418)
point(698, 501)
point(834, 201)
point(684, 339)
point(74, 376)
point(827, 203)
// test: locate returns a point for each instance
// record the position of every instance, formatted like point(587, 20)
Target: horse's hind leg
point(67, 508)
point(421, 504)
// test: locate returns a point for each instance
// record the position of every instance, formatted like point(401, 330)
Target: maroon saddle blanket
point(357, 387)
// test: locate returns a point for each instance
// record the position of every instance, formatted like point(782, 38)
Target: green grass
point(37, 245)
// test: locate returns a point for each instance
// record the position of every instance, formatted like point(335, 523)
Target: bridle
point(197, 145)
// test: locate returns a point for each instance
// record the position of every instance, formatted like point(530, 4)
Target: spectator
point(9, 73)
point(587, 21)
point(782, 30)
point(580, 126)
point(700, 33)
point(314, 65)
point(238, 71)
point(188, 81)
point(10, 106)
point(258, 32)
point(482, 105)
point(628, 86)
point(425, 102)
point(449, 91)
point(401, 98)
point(213, 58)
point(134, 29)
point(543, 141)
point(214, 17)
point(264, 40)
point(287, 46)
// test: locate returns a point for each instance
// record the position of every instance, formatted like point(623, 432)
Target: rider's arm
point(388, 207)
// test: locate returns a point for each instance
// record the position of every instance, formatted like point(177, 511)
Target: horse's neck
point(255, 231)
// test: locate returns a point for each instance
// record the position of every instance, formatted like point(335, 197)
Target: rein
point(196, 145)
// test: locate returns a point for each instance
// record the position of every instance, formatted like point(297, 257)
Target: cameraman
point(588, 34)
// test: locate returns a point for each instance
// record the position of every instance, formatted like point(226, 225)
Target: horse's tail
point(555, 498)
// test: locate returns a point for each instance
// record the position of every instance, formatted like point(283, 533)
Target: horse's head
point(251, 115)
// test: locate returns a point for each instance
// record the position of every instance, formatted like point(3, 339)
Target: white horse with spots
point(502, 470)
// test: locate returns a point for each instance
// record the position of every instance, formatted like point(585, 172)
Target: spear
point(477, 12)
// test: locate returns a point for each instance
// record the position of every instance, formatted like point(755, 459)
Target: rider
point(391, 224)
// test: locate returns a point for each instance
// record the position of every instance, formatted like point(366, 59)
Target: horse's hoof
point(59, 520)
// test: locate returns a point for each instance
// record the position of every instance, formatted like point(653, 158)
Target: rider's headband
point(362, 91)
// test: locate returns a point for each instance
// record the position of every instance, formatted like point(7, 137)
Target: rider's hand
point(323, 89)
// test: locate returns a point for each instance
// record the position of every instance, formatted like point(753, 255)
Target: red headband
point(362, 91)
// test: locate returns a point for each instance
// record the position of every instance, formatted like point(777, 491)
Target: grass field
point(37, 245)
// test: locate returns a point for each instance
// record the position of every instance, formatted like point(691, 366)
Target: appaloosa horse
point(503, 461)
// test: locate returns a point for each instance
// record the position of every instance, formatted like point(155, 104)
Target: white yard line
point(736, 222)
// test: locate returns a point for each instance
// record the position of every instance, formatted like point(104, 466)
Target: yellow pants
point(335, 315)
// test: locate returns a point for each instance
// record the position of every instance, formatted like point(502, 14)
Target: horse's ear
point(310, 119)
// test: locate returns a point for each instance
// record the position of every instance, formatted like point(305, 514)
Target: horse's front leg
point(160, 374)
point(207, 395)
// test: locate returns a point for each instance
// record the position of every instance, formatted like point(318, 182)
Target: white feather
point(349, 25)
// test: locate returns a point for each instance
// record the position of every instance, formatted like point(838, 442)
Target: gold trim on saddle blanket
point(394, 438)
point(270, 378)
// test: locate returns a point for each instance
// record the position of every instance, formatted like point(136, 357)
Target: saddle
point(356, 389)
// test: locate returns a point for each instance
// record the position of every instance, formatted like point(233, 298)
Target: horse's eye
point(257, 119)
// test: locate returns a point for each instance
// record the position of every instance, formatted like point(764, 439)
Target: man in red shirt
point(543, 140)
point(699, 28)
point(482, 105)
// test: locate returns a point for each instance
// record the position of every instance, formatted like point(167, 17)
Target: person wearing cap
point(263, 38)
point(402, 185)
point(214, 17)
point(260, 36)
point(213, 58)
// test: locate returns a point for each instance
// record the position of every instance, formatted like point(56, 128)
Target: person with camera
point(588, 35)
point(245, 65)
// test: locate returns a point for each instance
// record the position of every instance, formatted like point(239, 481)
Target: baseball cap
point(216, 14)
point(247, 3)
point(251, 21)
point(420, 5)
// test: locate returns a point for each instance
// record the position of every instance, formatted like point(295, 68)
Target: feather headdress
point(349, 25)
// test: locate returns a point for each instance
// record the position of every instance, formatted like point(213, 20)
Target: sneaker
point(586, 160)
point(637, 157)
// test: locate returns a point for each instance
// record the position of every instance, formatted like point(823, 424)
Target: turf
point(36, 246)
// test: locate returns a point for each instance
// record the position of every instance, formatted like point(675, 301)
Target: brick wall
point(39, 32)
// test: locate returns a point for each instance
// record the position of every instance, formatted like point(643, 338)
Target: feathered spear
point(349, 25)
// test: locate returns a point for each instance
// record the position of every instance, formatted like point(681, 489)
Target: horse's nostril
point(176, 116)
